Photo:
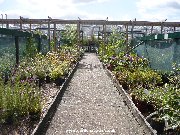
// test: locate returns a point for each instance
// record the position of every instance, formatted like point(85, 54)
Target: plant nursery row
point(155, 93)
point(28, 89)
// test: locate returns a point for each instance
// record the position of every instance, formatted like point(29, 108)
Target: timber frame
point(129, 27)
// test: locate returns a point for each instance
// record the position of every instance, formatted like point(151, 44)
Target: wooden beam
point(88, 22)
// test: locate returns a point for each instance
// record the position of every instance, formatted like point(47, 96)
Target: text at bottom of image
point(90, 131)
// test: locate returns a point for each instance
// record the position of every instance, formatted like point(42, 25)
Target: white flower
point(146, 91)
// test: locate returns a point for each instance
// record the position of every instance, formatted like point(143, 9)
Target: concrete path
point(91, 105)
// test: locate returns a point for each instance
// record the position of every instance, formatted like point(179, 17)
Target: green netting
point(7, 53)
point(162, 54)
point(44, 46)
point(22, 47)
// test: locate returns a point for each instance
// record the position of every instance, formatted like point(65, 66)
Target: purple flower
point(22, 81)
point(131, 59)
point(113, 57)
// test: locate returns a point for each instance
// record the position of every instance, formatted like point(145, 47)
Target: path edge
point(43, 124)
point(136, 113)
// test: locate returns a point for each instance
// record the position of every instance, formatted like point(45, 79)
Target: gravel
point(91, 105)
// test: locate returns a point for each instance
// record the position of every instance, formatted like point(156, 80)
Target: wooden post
point(59, 39)
point(7, 24)
point(82, 35)
point(132, 28)
point(17, 49)
point(39, 43)
point(161, 27)
point(30, 27)
point(49, 36)
point(78, 32)
point(126, 37)
point(151, 29)
point(176, 52)
point(132, 34)
point(104, 32)
point(20, 23)
point(54, 36)
point(104, 38)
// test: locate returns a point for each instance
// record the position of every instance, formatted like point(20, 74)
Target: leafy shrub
point(140, 77)
point(165, 101)
point(19, 99)
point(59, 71)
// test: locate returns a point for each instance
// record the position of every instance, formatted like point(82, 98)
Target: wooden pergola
point(128, 27)
point(104, 23)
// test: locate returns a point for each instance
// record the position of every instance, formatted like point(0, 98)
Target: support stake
point(17, 49)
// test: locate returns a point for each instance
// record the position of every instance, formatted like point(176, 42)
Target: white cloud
point(88, 1)
point(63, 9)
point(159, 10)
point(1, 1)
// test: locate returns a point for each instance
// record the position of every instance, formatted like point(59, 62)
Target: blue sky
point(149, 10)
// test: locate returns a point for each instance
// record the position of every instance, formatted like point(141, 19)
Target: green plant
point(31, 48)
point(146, 78)
point(19, 99)
point(60, 71)
point(175, 75)
point(166, 100)
point(114, 47)
point(7, 62)
point(69, 36)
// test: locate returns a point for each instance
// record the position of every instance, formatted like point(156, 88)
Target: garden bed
point(154, 98)
point(31, 92)
point(155, 93)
